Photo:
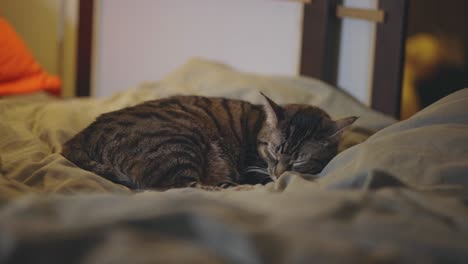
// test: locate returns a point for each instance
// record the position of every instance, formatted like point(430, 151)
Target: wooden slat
point(389, 57)
point(320, 40)
point(84, 49)
point(377, 16)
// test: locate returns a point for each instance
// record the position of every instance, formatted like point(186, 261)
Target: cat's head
point(299, 138)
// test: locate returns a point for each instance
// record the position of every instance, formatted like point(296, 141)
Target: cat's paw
point(226, 185)
point(193, 184)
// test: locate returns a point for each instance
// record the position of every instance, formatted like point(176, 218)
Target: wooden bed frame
point(320, 47)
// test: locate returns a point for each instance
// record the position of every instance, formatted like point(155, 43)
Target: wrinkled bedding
point(399, 196)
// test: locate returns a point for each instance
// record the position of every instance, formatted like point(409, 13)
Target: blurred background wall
point(144, 40)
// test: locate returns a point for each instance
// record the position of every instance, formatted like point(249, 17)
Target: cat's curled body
point(192, 140)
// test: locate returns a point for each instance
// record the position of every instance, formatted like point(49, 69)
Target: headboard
point(320, 46)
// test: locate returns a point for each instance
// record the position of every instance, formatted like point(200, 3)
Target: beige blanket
point(398, 197)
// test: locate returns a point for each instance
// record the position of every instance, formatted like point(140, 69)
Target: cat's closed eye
point(299, 162)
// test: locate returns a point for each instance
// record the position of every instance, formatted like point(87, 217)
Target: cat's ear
point(274, 112)
point(342, 125)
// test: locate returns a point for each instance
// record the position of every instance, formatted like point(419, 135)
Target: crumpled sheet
point(398, 197)
point(33, 128)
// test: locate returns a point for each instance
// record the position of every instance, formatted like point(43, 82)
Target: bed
point(396, 193)
point(399, 196)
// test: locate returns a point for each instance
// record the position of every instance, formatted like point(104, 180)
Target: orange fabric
point(19, 71)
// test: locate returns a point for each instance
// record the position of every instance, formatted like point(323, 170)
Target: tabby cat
point(186, 141)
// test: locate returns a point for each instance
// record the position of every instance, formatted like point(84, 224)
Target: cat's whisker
point(258, 170)
point(255, 167)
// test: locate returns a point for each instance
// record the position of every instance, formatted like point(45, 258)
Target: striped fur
point(185, 140)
